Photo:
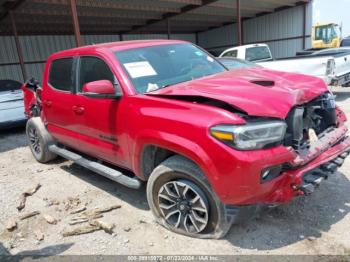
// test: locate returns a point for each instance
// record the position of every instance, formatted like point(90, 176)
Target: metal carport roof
point(40, 17)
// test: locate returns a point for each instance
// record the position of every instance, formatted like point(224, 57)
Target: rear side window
point(257, 53)
point(61, 74)
point(231, 54)
point(93, 69)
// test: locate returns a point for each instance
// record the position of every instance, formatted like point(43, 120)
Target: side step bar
point(97, 167)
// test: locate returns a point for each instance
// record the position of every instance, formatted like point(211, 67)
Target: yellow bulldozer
point(327, 35)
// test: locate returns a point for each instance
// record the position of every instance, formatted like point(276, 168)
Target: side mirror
point(100, 89)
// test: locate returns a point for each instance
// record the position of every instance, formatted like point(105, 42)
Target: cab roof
point(117, 46)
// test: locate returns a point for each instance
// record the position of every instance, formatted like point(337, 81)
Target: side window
point(93, 69)
point(318, 35)
point(231, 54)
point(61, 75)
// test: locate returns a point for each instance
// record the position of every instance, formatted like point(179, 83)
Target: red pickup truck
point(207, 140)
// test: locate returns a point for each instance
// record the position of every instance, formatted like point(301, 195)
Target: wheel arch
point(150, 152)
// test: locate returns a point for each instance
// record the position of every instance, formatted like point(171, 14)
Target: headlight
point(250, 136)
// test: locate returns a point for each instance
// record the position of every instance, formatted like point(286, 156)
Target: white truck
point(332, 65)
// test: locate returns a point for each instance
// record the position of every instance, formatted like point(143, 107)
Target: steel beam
point(113, 6)
point(239, 23)
point(73, 5)
point(11, 7)
point(304, 26)
point(168, 28)
point(18, 46)
point(185, 9)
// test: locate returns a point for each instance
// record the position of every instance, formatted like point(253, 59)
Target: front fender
point(174, 143)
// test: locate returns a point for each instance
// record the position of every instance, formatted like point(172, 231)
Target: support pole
point(18, 47)
point(304, 26)
point(239, 23)
point(168, 28)
point(73, 5)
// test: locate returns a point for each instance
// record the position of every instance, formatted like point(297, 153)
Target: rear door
point(59, 100)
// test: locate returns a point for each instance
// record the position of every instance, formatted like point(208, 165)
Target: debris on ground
point(24, 195)
point(49, 219)
point(84, 218)
point(71, 202)
point(11, 224)
point(78, 210)
point(108, 228)
point(39, 235)
point(28, 215)
point(127, 229)
point(51, 202)
point(81, 230)
point(98, 211)
point(78, 221)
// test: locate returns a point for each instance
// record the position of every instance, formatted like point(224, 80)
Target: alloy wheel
point(184, 206)
point(34, 140)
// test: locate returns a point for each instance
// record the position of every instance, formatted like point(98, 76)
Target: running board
point(97, 167)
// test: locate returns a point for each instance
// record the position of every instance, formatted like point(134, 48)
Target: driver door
point(102, 135)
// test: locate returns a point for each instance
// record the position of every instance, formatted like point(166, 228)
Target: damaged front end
point(318, 137)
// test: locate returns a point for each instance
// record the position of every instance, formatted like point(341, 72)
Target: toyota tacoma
point(207, 141)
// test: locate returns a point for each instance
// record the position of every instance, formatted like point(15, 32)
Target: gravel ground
point(319, 224)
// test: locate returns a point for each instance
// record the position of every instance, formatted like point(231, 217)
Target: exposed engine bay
point(307, 123)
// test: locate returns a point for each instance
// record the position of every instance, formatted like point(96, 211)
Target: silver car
point(11, 104)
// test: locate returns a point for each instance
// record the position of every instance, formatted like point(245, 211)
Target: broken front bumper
point(308, 170)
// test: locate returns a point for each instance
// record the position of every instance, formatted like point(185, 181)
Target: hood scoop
point(267, 83)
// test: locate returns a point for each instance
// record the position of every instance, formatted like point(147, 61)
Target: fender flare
point(179, 145)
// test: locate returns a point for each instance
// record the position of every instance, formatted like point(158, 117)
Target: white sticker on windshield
point(151, 87)
point(210, 59)
point(140, 69)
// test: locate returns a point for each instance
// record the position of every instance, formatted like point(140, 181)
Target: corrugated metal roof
point(38, 17)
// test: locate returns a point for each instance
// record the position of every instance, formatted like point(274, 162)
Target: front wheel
point(182, 200)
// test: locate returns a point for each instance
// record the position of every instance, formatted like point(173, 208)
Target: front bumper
point(296, 182)
point(243, 186)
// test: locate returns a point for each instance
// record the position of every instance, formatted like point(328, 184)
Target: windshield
point(155, 67)
point(234, 63)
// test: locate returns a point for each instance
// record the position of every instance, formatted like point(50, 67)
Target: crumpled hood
point(273, 94)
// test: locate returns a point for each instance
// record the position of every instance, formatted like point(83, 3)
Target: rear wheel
point(182, 200)
point(39, 140)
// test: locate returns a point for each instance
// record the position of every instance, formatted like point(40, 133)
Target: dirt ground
point(318, 224)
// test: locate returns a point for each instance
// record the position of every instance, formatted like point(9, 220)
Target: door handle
point(79, 110)
point(47, 103)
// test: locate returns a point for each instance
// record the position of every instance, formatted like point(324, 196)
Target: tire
point(212, 218)
point(39, 140)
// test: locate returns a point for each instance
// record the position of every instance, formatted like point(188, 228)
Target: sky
point(337, 11)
